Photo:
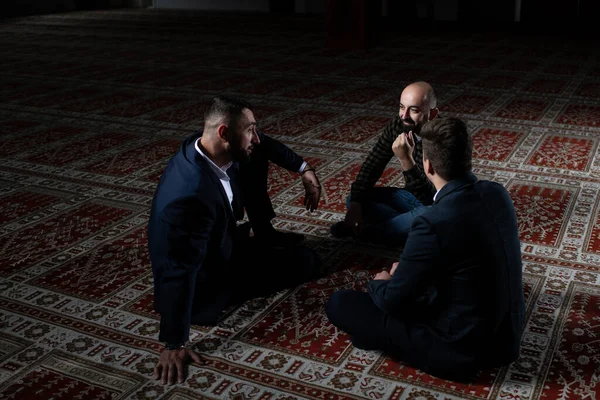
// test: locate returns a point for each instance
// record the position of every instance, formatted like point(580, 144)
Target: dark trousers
point(388, 214)
point(404, 339)
point(261, 270)
point(369, 327)
point(255, 270)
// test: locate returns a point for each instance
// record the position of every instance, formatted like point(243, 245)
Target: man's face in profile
point(243, 137)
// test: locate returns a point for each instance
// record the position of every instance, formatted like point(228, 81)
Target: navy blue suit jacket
point(459, 281)
point(191, 234)
point(279, 153)
point(190, 239)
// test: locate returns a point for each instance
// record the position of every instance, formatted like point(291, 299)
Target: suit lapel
point(238, 208)
point(203, 164)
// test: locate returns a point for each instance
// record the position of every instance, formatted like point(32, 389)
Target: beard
point(240, 155)
point(415, 128)
point(237, 152)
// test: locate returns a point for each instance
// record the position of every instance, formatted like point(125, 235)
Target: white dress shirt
point(220, 171)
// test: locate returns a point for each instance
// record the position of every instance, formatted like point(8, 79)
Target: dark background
point(363, 17)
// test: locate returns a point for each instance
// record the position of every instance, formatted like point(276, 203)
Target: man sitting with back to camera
point(453, 304)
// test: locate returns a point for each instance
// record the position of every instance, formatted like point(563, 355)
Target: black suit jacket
point(191, 233)
point(459, 282)
point(279, 153)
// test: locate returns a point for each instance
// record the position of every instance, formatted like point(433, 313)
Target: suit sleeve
point(415, 272)
point(280, 154)
point(187, 226)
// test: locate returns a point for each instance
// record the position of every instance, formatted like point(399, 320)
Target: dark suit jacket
point(459, 282)
point(191, 234)
point(279, 153)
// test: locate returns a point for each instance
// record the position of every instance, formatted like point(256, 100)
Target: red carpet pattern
point(93, 104)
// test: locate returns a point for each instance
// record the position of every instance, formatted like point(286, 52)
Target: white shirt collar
point(220, 171)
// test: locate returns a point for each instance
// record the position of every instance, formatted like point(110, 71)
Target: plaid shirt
point(415, 180)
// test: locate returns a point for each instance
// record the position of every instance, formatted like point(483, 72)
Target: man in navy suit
point(453, 304)
point(202, 261)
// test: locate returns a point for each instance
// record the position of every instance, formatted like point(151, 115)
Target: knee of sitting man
point(330, 307)
point(348, 200)
point(309, 263)
point(334, 305)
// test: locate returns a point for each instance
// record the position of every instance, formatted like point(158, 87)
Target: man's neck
point(438, 182)
point(213, 151)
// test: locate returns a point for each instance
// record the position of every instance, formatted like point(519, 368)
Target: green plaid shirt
point(415, 180)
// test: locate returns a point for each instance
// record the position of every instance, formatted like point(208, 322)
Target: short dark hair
point(229, 107)
point(448, 146)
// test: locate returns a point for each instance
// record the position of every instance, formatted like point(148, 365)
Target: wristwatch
point(307, 168)
point(174, 346)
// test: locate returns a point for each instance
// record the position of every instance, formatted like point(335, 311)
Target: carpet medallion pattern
point(92, 104)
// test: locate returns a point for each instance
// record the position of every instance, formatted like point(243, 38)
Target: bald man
point(385, 214)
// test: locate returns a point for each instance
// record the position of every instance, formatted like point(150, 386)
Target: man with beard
point(385, 214)
point(453, 304)
point(203, 261)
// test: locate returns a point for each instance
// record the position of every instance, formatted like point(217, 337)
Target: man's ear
point(222, 132)
point(433, 113)
point(428, 166)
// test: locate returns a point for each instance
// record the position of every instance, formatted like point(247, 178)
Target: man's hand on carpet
point(383, 276)
point(312, 189)
point(172, 365)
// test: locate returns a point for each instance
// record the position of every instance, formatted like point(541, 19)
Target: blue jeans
point(388, 214)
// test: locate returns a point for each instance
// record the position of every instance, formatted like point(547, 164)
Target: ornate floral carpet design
point(93, 104)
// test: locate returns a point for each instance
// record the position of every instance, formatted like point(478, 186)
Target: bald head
point(417, 106)
point(421, 92)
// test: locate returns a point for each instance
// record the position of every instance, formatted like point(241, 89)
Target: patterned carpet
point(93, 104)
